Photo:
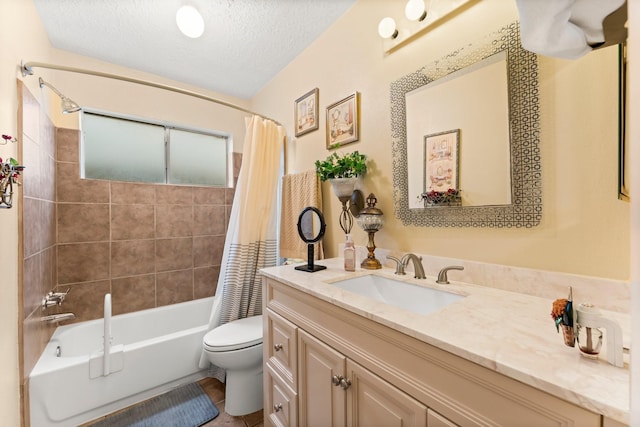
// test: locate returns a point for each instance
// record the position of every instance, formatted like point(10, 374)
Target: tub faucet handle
point(54, 298)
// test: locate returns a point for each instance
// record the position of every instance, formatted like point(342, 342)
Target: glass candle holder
point(589, 341)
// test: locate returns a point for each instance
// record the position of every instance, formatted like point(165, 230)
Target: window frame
point(168, 126)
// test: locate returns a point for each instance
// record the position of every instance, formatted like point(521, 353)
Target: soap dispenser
point(349, 254)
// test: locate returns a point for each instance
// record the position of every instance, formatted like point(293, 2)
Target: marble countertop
point(507, 332)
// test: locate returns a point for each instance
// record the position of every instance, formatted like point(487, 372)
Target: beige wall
point(21, 35)
point(585, 228)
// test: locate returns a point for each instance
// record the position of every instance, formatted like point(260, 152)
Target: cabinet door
point(373, 402)
point(321, 403)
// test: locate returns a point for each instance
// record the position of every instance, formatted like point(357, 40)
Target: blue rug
point(186, 406)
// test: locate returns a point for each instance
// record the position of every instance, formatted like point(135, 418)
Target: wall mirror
point(487, 93)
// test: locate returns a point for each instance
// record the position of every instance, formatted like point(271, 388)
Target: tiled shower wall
point(148, 245)
point(38, 227)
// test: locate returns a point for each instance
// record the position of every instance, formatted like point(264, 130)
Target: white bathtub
point(152, 351)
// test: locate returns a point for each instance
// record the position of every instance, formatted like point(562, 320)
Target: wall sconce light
point(351, 199)
point(387, 28)
point(371, 220)
point(67, 105)
point(415, 10)
point(417, 21)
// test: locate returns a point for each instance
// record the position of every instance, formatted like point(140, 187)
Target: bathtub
point(152, 351)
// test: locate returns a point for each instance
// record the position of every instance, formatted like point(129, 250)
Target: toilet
point(237, 347)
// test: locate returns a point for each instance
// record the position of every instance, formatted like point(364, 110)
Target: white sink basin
point(418, 299)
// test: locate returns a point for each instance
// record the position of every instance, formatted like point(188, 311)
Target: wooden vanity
point(326, 365)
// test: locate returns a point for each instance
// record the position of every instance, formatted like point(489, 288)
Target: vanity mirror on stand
point(311, 228)
point(466, 137)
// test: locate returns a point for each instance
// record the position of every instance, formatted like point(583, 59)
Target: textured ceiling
point(245, 43)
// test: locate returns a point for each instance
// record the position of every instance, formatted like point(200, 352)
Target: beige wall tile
point(208, 196)
point(174, 195)
point(83, 262)
point(132, 257)
point(205, 281)
point(48, 223)
point(174, 220)
point(133, 293)
point(31, 287)
point(68, 145)
point(174, 286)
point(174, 254)
point(207, 250)
point(33, 232)
point(85, 300)
point(130, 193)
point(47, 178)
point(132, 222)
point(81, 222)
point(70, 188)
point(208, 220)
point(32, 175)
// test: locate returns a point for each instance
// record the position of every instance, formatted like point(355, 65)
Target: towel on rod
point(564, 28)
point(298, 191)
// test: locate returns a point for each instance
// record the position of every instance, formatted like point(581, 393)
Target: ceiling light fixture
point(387, 28)
point(190, 21)
point(415, 10)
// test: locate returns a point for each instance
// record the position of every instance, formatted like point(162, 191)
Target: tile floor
point(215, 391)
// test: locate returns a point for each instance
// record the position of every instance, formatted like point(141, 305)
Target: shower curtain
point(251, 241)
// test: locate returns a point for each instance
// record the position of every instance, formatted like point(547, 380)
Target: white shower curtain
point(251, 241)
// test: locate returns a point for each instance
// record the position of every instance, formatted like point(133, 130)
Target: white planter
point(343, 187)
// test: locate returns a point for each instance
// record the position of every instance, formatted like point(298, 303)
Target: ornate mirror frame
point(525, 209)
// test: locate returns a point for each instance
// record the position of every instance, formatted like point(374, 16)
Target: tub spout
point(56, 318)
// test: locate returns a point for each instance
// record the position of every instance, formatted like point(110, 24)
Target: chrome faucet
point(418, 269)
point(442, 275)
point(54, 298)
point(402, 263)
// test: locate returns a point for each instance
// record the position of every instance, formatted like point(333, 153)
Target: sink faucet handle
point(399, 265)
point(442, 275)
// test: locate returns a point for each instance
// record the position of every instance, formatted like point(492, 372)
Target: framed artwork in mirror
point(306, 112)
point(441, 161)
point(343, 121)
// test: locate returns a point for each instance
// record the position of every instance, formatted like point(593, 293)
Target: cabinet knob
point(345, 383)
point(277, 407)
point(336, 379)
point(277, 347)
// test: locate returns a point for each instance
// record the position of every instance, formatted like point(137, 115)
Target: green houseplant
point(349, 165)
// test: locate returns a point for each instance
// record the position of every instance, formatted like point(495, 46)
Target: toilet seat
point(235, 335)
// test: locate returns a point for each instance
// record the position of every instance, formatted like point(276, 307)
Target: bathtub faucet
point(56, 318)
point(54, 298)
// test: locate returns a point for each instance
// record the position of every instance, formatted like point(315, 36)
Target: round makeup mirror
point(311, 228)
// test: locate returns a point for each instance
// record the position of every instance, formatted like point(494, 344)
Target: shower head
point(67, 105)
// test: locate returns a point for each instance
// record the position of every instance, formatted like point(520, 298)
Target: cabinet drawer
point(280, 401)
point(434, 419)
point(280, 348)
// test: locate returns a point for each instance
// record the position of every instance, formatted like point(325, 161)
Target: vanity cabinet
point(327, 366)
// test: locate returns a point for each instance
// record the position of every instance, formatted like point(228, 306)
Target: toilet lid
point(235, 335)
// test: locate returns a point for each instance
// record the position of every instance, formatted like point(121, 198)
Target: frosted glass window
point(197, 159)
point(122, 150)
point(131, 149)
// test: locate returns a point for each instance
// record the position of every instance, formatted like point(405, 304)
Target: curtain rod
point(27, 70)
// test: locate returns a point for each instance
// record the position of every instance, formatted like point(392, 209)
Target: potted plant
point(342, 171)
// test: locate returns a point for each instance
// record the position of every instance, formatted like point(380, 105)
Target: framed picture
point(343, 121)
point(441, 161)
point(306, 112)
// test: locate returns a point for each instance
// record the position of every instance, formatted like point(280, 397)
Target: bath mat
point(186, 406)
